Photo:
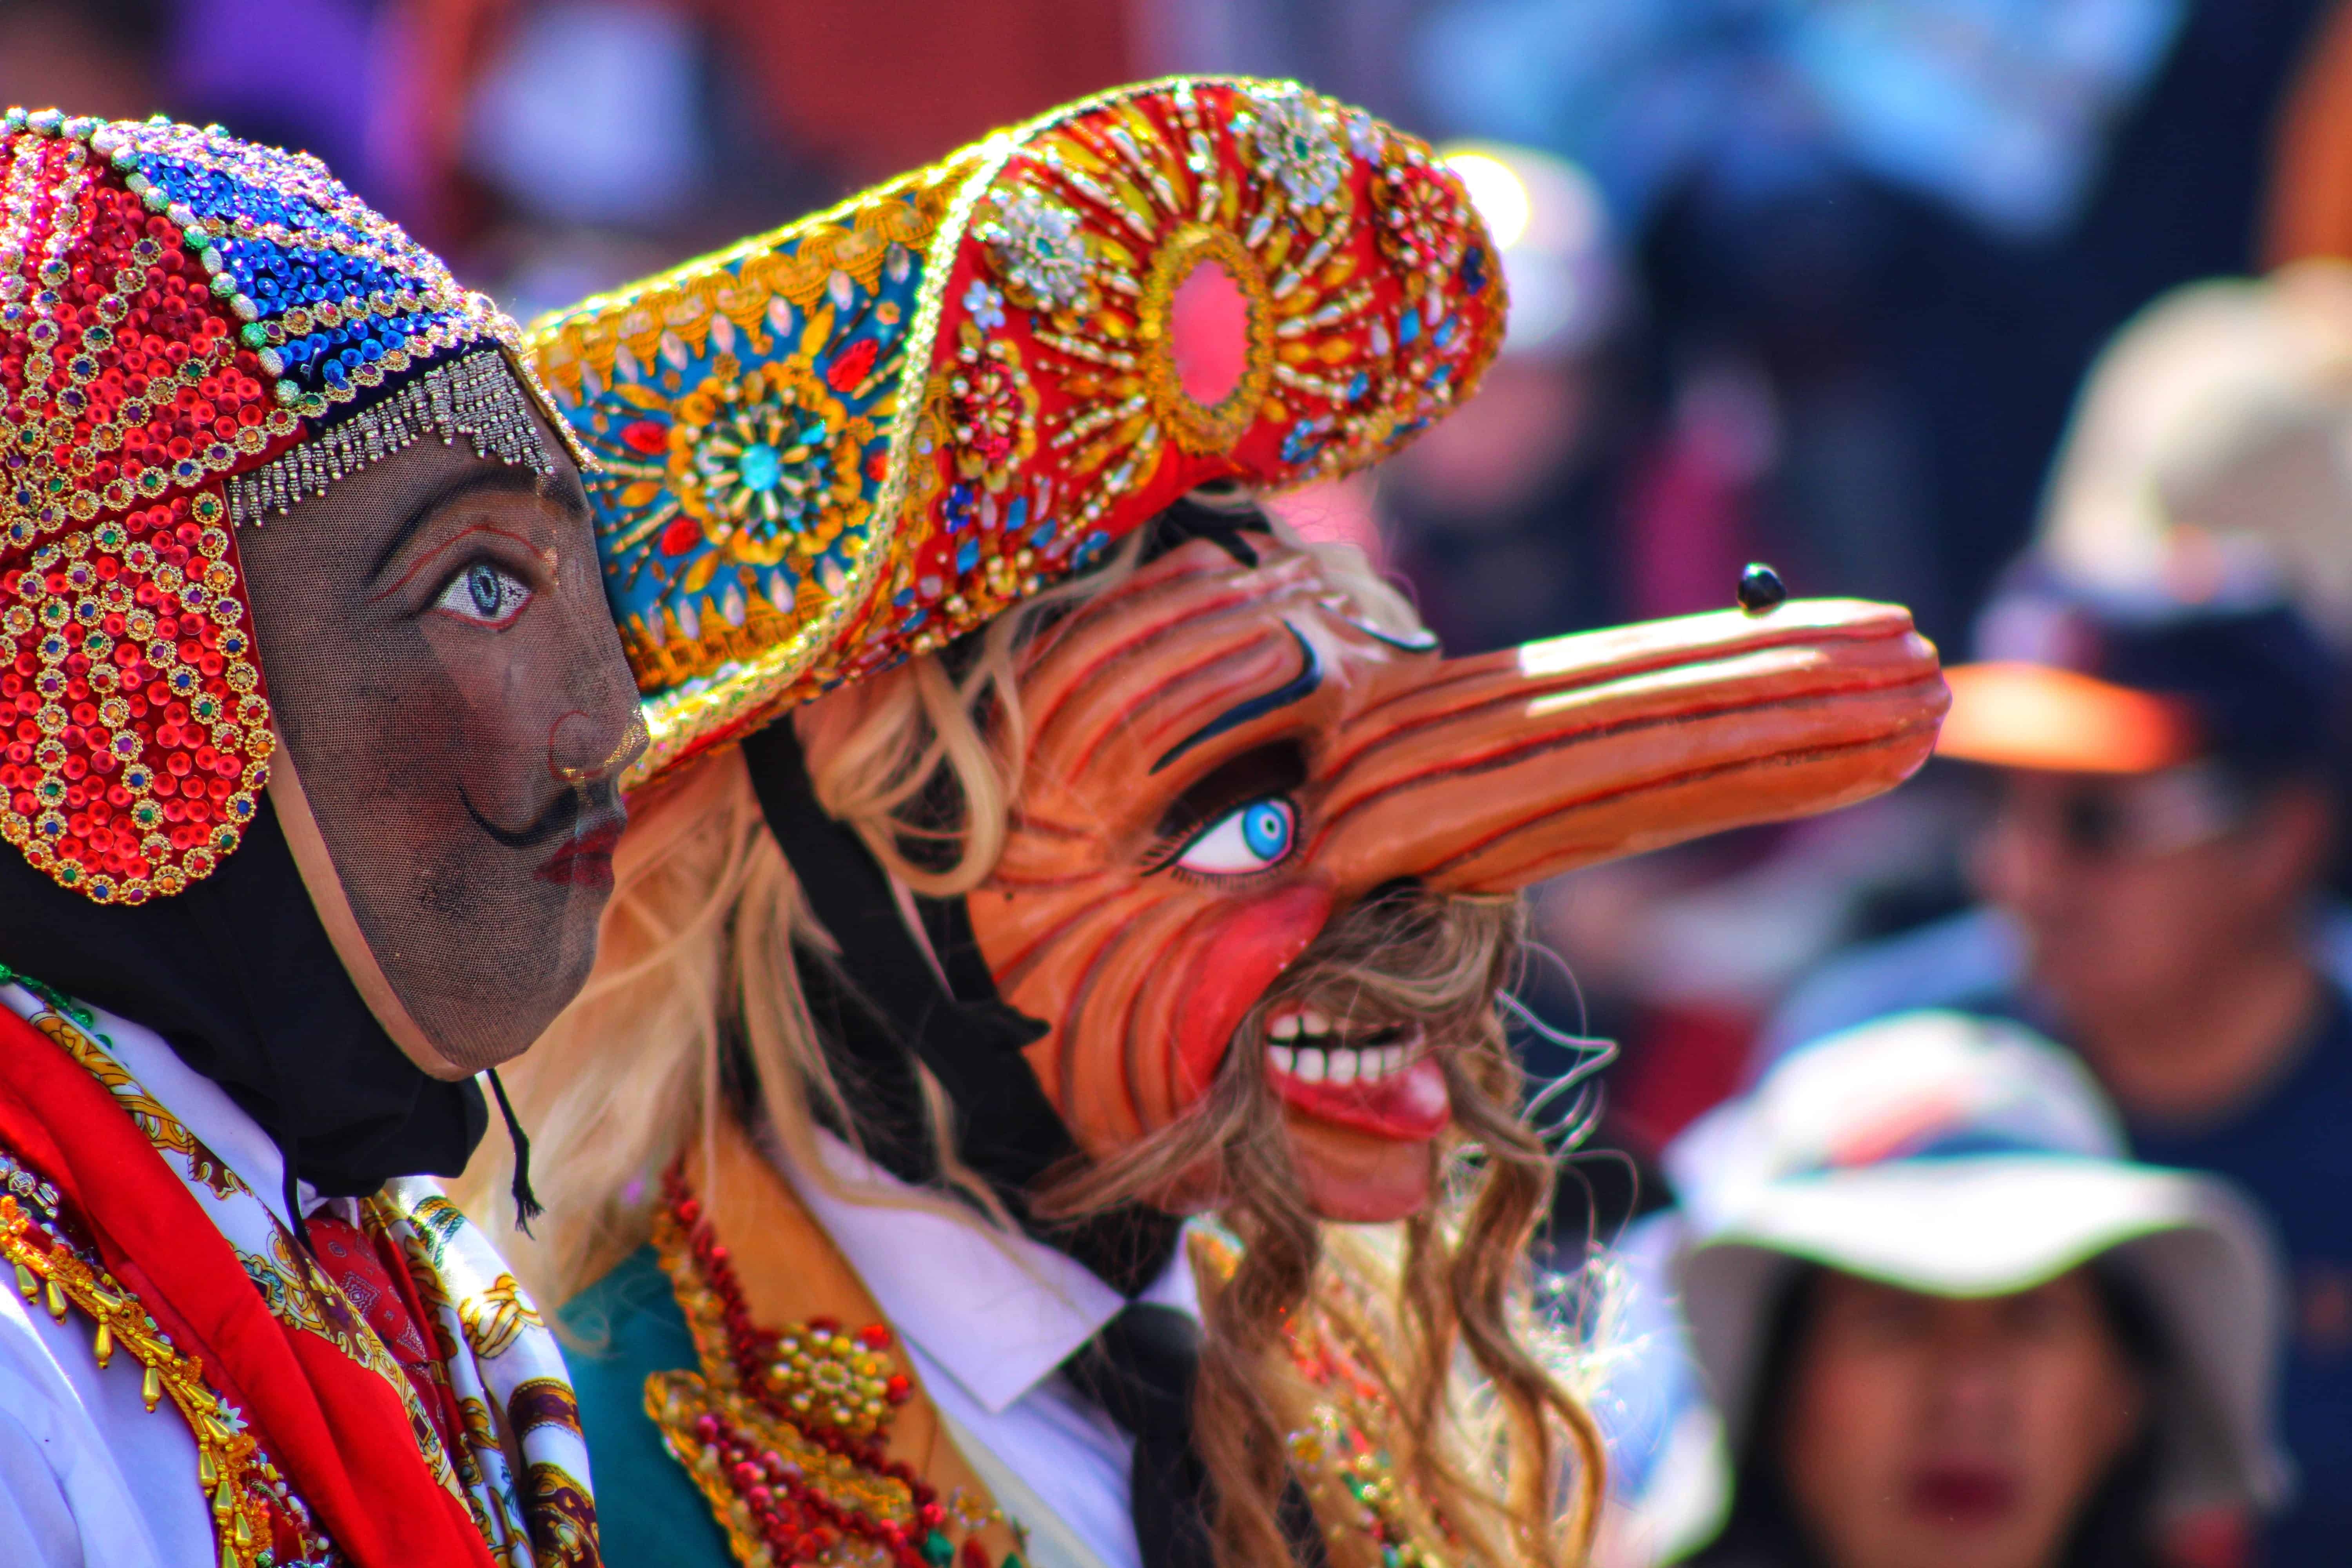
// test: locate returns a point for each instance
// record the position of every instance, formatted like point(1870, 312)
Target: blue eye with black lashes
point(1249, 838)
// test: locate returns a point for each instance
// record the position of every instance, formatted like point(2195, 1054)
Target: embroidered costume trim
point(476, 397)
point(257, 1520)
point(784, 1430)
point(1337, 1455)
point(493, 1352)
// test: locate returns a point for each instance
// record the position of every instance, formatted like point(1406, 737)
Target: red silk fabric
point(339, 1433)
point(367, 1271)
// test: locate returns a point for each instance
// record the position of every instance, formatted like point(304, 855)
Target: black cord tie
point(291, 1190)
point(525, 1202)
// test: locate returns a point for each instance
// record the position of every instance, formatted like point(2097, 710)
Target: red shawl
point(339, 1431)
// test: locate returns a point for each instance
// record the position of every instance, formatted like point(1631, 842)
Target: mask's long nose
point(1506, 768)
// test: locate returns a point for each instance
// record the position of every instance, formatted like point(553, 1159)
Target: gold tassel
point(57, 1301)
point(150, 1388)
point(207, 1468)
point(28, 1284)
point(102, 1345)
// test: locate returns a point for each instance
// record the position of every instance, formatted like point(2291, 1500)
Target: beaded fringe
point(476, 397)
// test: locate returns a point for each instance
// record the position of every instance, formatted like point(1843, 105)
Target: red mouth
point(585, 859)
point(1387, 1084)
point(1963, 1495)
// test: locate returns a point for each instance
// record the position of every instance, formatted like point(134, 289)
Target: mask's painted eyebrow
point(502, 479)
point(1296, 688)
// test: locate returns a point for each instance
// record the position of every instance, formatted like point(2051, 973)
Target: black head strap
point(1224, 526)
point(1008, 1132)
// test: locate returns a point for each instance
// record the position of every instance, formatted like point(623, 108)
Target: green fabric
point(624, 1328)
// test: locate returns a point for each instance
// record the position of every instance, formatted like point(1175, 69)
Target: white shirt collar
point(999, 1313)
point(198, 1104)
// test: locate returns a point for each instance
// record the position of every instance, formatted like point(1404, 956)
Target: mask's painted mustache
point(562, 815)
point(1402, 957)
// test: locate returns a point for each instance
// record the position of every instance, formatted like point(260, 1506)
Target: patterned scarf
point(497, 1355)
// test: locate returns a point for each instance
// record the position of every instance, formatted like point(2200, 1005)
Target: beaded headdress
point(853, 438)
point(193, 331)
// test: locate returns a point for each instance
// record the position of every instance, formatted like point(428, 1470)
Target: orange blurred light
point(2060, 721)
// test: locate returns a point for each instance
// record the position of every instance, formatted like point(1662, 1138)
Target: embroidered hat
point(853, 438)
point(194, 331)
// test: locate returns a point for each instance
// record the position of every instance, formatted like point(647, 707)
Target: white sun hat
point(1962, 1156)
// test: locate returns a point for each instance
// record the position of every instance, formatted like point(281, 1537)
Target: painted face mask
point(1226, 757)
point(268, 473)
point(852, 441)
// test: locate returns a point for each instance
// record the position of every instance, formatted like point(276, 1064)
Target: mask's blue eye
point(1249, 838)
point(484, 593)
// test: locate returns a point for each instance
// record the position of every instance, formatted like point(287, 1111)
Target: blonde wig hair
point(1498, 1459)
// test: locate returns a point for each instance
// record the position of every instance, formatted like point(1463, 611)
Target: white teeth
point(1311, 1051)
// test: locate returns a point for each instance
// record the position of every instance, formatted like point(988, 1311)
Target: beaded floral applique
point(784, 1430)
point(1339, 1455)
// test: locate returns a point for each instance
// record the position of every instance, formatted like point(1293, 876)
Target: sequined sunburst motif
point(1224, 291)
point(992, 408)
point(786, 1432)
point(837, 1379)
point(770, 468)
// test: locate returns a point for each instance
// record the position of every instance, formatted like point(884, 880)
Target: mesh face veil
point(197, 333)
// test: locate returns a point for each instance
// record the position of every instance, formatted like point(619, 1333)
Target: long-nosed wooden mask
point(853, 439)
point(1223, 756)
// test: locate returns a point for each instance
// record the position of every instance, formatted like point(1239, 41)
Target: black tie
point(1141, 1368)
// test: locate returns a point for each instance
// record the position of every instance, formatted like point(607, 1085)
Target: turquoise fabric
point(624, 1328)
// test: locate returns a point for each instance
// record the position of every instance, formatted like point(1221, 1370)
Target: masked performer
point(1136, 860)
point(309, 823)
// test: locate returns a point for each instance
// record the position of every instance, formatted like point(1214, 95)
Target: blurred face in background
point(1925, 1432)
point(2133, 890)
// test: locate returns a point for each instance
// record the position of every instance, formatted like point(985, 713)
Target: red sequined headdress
point(193, 331)
point(858, 436)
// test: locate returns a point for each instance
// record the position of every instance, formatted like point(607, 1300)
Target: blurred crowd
point(1967, 1185)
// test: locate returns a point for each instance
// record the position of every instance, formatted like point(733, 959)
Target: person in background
point(2203, 445)
point(1503, 518)
point(2165, 778)
point(1946, 1321)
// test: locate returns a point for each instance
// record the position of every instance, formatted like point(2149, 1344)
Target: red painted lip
point(585, 859)
point(1963, 1495)
point(1409, 1106)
